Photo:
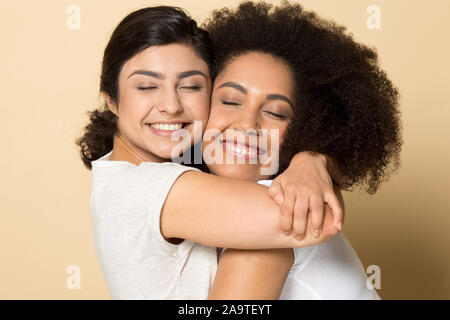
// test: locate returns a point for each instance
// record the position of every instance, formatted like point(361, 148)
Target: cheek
point(282, 133)
point(219, 119)
point(134, 106)
point(280, 136)
point(199, 106)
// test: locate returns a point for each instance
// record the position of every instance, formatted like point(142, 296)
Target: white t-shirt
point(135, 259)
point(330, 270)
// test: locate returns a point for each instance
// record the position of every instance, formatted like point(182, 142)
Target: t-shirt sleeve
point(154, 181)
point(131, 206)
point(127, 231)
point(167, 180)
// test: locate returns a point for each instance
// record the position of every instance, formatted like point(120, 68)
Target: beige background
point(49, 79)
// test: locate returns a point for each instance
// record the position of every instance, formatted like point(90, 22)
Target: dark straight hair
point(152, 26)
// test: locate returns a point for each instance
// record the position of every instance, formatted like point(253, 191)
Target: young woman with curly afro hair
point(341, 104)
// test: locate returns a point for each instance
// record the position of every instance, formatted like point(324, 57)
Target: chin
point(240, 172)
point(164, 151)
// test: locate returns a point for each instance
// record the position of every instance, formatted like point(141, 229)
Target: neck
point(124, 151)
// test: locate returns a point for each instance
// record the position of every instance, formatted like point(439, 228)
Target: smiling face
point(161, 90)
point(254, 91)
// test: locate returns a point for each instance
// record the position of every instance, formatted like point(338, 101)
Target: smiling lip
point(166, 133)
point(241, 149)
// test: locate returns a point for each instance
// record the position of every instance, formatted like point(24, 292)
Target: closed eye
point(147, 88)
point(230, 103)
point(280, 116)
point(191, 87)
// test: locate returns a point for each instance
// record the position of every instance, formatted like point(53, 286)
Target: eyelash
point(280, 116)
point(229, 103)
point(146, 88)
point(151, 88)
point(195, 88)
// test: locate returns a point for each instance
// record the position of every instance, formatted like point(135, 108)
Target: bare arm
point(221, 212)
point(251, 274)
point(335, 172)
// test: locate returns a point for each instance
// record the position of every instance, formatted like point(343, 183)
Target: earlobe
point(110, 103)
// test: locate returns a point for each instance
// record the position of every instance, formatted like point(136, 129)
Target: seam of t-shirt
point(310, 289)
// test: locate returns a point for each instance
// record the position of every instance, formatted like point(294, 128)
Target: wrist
point(315, 156)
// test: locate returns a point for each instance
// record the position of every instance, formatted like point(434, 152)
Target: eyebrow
point(234, 85)
point(242, 89)
point(158, 75)
point(280, 97)
point(148, 73)
point(189, 73)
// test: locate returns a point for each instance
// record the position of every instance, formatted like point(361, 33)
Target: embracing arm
point(221, 212)
point(304, 187)
point(253, 274)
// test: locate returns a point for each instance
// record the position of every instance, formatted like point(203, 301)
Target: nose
point(170, 102)
point(246, 120)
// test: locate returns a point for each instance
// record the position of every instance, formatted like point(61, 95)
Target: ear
point(110, 103)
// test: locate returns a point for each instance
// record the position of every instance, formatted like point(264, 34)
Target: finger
point(316, 214)
point(286, 211)
point(300, 217)
point(276, 192)
point(335, 205)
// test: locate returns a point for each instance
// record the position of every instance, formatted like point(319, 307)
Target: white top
point(135, 259)
point(330, 270)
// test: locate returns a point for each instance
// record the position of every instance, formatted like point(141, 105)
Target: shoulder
point(150, 173)
point(118, 184)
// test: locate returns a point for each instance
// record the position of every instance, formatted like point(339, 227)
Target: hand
point(304, 187)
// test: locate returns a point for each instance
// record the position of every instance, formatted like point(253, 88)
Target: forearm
point(229, 213)
point(331, 166)
point(251, 274)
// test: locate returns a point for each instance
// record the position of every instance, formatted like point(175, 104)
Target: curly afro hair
point(345, 105)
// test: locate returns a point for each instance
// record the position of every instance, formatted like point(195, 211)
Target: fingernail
point(299, 236)
point(287, 233)
point(316, 232)
point(339, 226)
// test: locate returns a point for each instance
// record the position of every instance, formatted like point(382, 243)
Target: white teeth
point(166, 126)
point(243, 150)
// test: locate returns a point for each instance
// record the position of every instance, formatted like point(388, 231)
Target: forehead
point(258, 72)
point(167, 59)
